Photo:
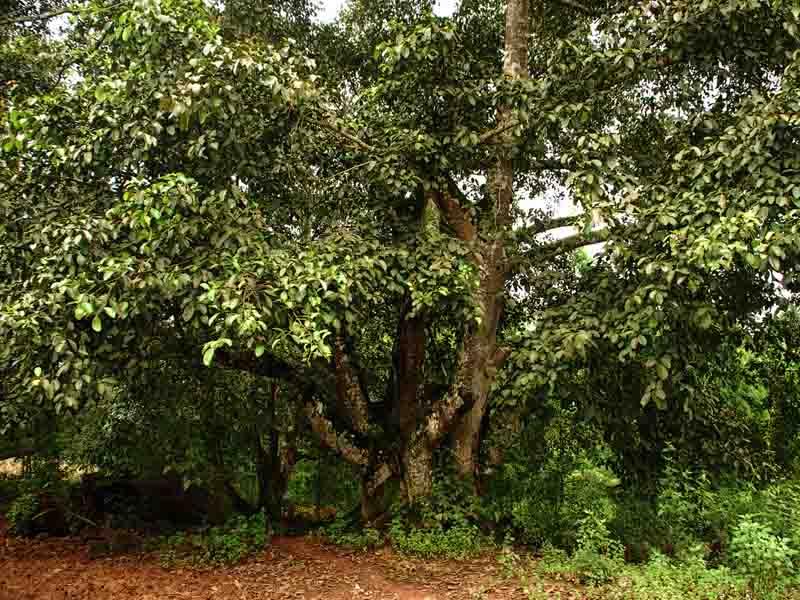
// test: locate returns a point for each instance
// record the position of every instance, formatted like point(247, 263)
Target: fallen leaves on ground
point(290, 569)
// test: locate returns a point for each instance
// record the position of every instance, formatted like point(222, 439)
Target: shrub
point(762, 557)
point(21, 513)
point(342, 533)
point(781, 509)
point(457, 540)
point(226, 544)
point(598, 558)
point(445, 524)
point(665, 579)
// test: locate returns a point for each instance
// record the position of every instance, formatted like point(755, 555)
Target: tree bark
point(273, 468)
point(482, 357)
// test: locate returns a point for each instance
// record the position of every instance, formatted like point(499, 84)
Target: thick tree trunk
point(481, 348)
point(273, 468)
point(417, 469)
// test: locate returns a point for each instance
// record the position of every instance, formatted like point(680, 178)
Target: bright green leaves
point(83, 309)
point(211, 347)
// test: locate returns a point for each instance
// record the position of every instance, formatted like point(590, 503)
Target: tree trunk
point(273, 468)
point(481, 347)
point(417, 469)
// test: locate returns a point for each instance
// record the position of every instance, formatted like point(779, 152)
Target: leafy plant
point(766, 560)
point(457, 540)
point(342, 533)
point(444, 524)
point(231, 543)
point(21, 513)
point(598, 558)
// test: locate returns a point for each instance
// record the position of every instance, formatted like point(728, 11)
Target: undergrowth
point(226, 544)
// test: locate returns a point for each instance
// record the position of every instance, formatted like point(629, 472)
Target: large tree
point(360, 226)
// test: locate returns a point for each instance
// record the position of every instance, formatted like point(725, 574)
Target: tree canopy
point(363, 210)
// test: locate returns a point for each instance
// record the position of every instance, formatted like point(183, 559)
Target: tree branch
point(487, 135)
point(41, 17)
point(26, 449)
point(329, 437)
point(578, 6)
point(579, 240)
point(555, 223)
point(455, 215)
point(50, 15)
point(547, 164)
point(348, 136)
point(349, 392)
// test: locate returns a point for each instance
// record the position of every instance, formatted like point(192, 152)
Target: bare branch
point(25, 449)
point(487, 135)
point(547, 164)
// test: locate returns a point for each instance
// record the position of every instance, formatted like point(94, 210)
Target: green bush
point(588, 494)
point(342, 533)
point(457, 540)
point(598, 558)
point(665, 579)
point(21, 513)
point(763, 558)
point(781, 509)
point(445, 524)
point(227, 544)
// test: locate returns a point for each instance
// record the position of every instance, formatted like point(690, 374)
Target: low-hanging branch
point(67, 10)
point(555, 223)
point(574, 242)
point(41, 17)
point(328, 435)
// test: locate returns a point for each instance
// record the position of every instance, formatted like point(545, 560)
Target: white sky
point(330, 8)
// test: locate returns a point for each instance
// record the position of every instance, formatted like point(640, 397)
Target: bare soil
point(290, 569)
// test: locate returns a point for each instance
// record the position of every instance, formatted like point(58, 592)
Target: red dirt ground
point(290, 569)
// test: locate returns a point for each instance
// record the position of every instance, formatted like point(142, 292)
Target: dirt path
point(291, 568)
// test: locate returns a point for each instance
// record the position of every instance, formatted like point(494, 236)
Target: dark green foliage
point(342, 533)
point(324, 482)
point(226, 544)
point(445, 524)
point(21, 513)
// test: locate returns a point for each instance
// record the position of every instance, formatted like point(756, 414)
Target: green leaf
point(662, 371)
point(208, 356)
point(97, 324)
point(188, 312)
point(259, 350)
